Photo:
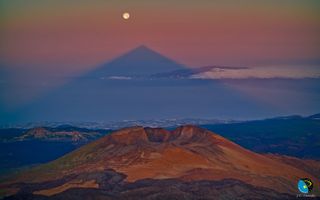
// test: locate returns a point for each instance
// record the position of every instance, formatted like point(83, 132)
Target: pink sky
point(42, 40)
point(56, 36)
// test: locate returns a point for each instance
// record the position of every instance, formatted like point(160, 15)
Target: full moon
point(126, 16)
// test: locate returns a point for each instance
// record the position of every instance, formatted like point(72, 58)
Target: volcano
point(148, 159)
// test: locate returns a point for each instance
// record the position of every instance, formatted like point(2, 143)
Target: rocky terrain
point(186, 163)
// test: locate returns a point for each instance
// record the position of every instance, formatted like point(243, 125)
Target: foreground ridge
point(188, 155)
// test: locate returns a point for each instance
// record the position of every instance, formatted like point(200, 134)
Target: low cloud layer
point(294, 72)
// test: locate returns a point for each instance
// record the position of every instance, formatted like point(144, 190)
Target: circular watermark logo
point(305, 185)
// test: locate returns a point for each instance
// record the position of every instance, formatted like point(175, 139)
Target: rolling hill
point(41, 133)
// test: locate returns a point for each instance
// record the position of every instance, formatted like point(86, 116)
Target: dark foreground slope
point(113, 186)
point(186, 163)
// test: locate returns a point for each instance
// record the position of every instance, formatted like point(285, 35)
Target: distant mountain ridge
point(315, 116)
point(41, 133)
point(193, 73)
point(288, 135)
point(87, 126)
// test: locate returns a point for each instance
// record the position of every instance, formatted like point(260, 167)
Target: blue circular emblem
point(305, 185)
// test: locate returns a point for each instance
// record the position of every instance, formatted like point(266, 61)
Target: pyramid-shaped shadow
point(116, 91)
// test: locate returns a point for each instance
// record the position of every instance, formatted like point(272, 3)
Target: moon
point(126, 15)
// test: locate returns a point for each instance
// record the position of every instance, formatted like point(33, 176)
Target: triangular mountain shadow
point(140, 61)
point(125, 88)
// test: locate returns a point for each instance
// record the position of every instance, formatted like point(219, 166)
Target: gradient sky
point(77, 34)
point(40, 39)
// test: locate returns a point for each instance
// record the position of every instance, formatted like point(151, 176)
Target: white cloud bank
point(293, 72)
point(119, 78)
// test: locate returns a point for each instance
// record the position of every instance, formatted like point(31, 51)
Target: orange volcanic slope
point(188, 153)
